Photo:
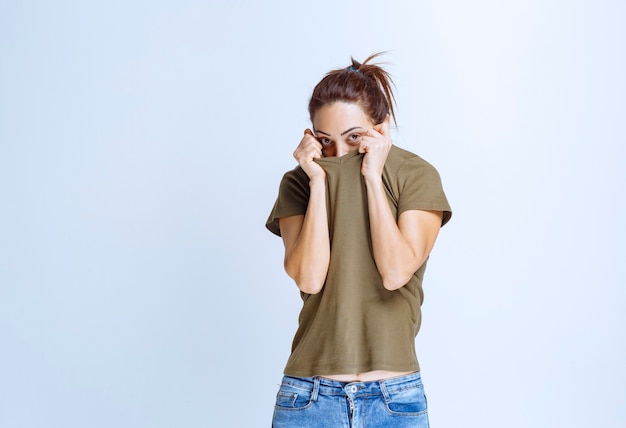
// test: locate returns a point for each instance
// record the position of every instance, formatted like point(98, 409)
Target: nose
point(341, 149)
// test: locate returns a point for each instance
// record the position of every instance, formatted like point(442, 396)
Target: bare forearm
point(395, 258)
point(307, 259)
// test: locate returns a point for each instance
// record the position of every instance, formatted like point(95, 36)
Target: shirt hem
point(330, 371)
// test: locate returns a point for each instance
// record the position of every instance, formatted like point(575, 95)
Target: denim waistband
point(320, 385)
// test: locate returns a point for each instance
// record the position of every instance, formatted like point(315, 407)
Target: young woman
point(358, 217)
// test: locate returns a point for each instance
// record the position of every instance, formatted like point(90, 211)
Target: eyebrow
point(342, 134)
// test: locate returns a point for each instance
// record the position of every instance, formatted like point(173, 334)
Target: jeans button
point(353, 388)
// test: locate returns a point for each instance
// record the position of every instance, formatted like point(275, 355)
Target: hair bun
point(356, 66)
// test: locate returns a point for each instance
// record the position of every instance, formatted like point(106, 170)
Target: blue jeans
point(319, 402)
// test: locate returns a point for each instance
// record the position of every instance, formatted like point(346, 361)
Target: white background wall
point(141, 146)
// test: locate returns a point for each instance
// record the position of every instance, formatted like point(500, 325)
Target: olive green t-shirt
point(355, 325)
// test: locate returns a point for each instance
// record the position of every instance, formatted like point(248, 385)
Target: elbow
point(399, 276)
point(393, 282)
point(307, 282)
point(310, 286)
point(308, 268)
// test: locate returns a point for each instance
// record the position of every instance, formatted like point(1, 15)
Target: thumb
point(382, 128)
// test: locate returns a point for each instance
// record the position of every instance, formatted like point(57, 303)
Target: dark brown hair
point(367, 85)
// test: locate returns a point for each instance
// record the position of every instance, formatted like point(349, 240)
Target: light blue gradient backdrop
point(141, 146)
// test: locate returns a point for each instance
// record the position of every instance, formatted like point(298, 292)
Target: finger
point(316, 150)
point(370, 141)
point(375, 132)
point(309, 136)
point(384, 128)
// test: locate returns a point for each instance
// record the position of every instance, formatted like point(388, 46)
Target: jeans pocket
point(410, 401)
point(291, 397)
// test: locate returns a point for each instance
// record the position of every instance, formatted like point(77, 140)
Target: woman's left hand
point(376, 144)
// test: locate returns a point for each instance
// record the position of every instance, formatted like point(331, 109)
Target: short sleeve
point(293, 198)
point(421, 189)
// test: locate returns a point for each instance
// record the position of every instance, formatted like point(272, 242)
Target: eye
point(354, 138)
point(325, 141)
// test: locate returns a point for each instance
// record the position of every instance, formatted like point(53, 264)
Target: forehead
point(339, 116)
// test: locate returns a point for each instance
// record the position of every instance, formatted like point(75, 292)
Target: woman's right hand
point(308, 150)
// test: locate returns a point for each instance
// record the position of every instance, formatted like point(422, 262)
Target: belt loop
point(316, 388)
point(383, 389)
